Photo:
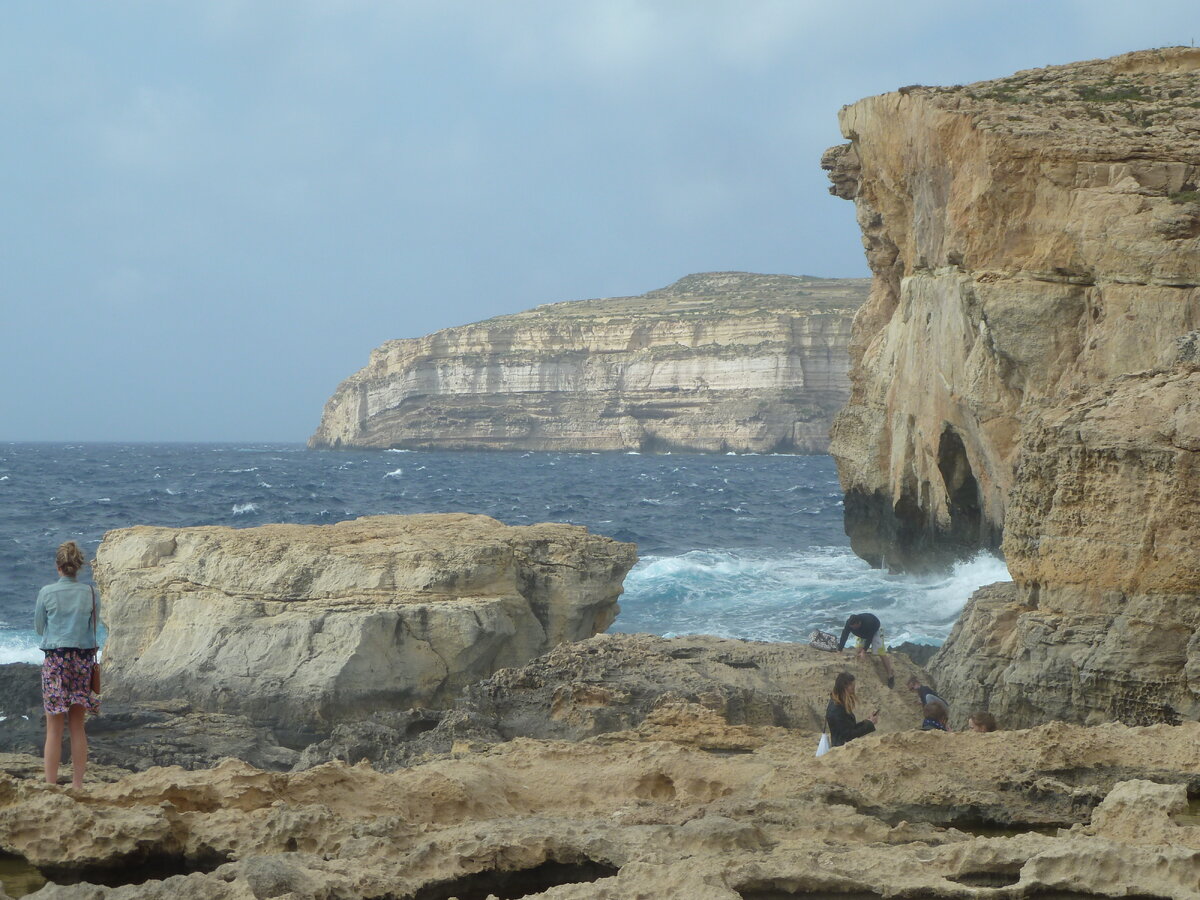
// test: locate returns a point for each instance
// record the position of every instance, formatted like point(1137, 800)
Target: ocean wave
point(241, 509)
point(17, 647)
point(395, 473)
point(783, 597)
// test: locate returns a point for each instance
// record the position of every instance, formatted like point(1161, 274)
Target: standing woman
point(839, 714)
point(66, 616)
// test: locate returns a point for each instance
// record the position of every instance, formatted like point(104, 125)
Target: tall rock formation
point(303, 626)
point(1024, 373)
point(724, 361)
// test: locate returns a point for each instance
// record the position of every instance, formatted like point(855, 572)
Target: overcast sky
point(213, 210)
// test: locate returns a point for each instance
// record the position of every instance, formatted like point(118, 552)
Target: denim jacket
point(63, 615)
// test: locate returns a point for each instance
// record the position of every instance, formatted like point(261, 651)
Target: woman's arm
point(39, 615)
point(866, 726)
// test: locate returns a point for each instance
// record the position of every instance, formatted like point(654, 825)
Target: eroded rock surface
point(617, 682)
point(1103, 541)
point(301, 627)
point(636, 813)
point(723, 361)
point(1029, 237)
point(1025, 375)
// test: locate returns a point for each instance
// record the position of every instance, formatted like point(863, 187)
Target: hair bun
point(69, 558)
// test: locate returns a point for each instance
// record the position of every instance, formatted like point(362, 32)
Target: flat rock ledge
point(301, 627)
point(1055, 811)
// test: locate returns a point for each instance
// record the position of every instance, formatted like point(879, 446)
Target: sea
point(739, 546)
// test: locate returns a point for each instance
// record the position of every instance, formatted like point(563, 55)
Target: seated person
point(925, 693)
point(935, 717)
point(983, 722)
point(839, 714)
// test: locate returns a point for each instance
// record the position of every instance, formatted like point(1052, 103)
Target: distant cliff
point(724, 361)
point(1025, 375)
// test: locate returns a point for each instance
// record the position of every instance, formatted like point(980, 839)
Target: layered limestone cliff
point(724, 361)
point(300, 627)
point(1025, 375)
point(1029, 237)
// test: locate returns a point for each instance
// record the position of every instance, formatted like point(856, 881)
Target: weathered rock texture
point(1103, 541)
point(684, 806)
point(1025, 371)
point(300, 627)
point(1029, 237)
point(724, 361)
point(618, 682)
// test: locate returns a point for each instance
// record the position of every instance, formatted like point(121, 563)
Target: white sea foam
point(173, 493)
point(241, 509)
point(19, 647)
point(396, 450)
point(772, 597)
point(3, 478)
point(395, 473)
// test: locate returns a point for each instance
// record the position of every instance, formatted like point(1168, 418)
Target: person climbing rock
point(866, 628)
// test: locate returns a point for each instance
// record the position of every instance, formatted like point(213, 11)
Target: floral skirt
point(67, 680)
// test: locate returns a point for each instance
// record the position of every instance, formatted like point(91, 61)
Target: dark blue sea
point(737, 546)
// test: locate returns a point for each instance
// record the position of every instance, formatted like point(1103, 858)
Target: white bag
point(823, 745)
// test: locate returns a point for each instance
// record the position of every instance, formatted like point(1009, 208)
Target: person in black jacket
point(865, 627)
point(839, 714)
point(926, 694)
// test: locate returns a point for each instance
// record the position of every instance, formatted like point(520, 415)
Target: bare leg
point(887, 664)
point(79, 745)
point(52, 754)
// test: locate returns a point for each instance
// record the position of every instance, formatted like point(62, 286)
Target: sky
point(214, 210)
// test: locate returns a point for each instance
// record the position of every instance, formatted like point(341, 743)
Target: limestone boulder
point(301, 627)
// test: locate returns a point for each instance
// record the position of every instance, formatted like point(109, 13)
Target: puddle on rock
point(18, 877)
point(1192, 816)
point(995, 879)
point(1003, 829)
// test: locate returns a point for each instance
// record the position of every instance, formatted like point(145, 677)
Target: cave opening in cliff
point(962, 490)
point(513, 884)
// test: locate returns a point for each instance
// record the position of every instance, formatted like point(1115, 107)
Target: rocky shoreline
point(1024, 376)
point(626, 766)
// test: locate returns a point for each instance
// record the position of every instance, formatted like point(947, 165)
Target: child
point(935, 717)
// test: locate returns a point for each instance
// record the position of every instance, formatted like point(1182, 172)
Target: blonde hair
point(69, 559)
